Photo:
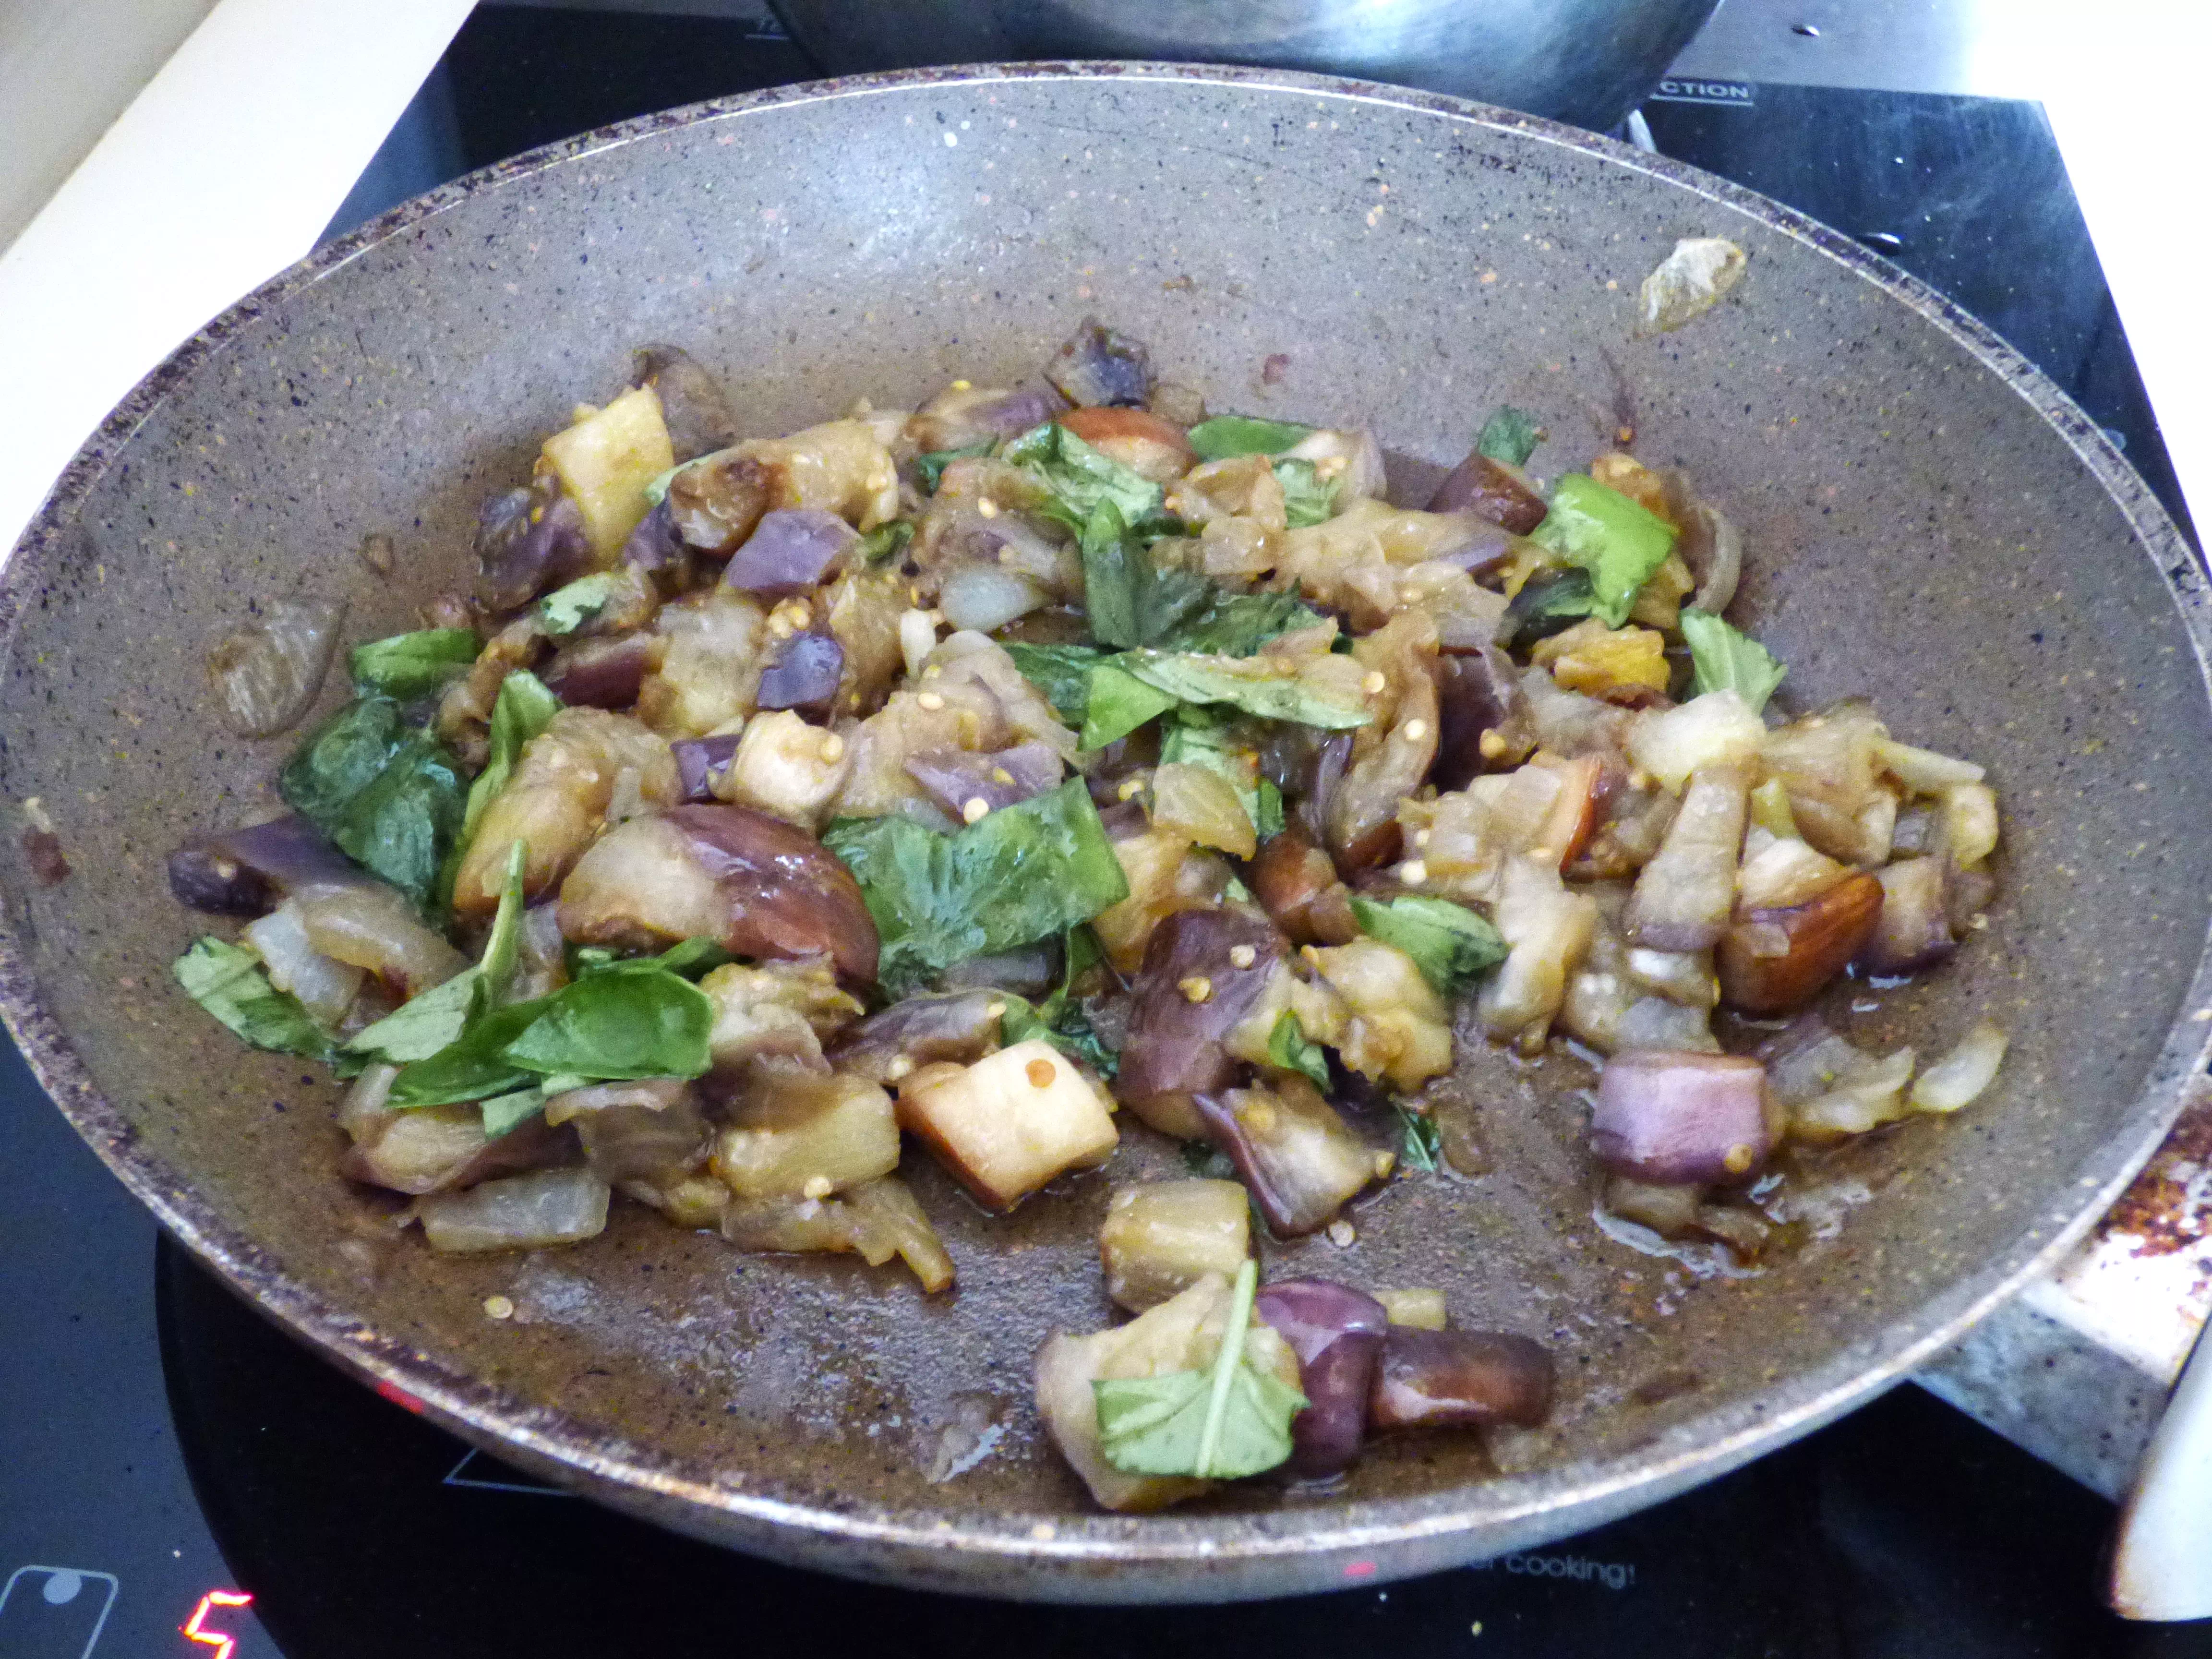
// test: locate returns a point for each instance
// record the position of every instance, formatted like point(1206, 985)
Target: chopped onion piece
point(1960, 1077)
point(1923, 770)
point(367, 925)
point(1689, 283)
point(521, 1213)
point(1718, 729)
point(269, 671)
point(985, 597)
point(1713, 549)
point(1970, 823)
point(1865, 1100)
point(917, 633)
point(326, 988)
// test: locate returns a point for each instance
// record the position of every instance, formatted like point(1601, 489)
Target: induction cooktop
point(177, 1477)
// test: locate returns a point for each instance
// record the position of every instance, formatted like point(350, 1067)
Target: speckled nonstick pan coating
point(1927, 520)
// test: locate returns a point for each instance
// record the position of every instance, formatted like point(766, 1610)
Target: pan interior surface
point(1915, 530)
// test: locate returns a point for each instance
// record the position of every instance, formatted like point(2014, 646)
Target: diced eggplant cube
point(807, 1135)
point(1164, 1237)
point(1011, 1122)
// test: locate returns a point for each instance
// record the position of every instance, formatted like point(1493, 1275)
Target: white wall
point(67, 70)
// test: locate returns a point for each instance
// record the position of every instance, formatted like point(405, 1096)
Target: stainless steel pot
point(1585, 62)
point(1925, 517)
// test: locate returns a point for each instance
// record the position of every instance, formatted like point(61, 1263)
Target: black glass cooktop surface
point(176, 1477)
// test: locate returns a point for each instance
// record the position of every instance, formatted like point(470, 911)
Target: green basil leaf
point(231, 983)
point(1129, 599)
point(1619, 542)
point(505, 1113)
point(1221, 1424)
point(1060, 1020)
point(1021, 874)
point(406, 666)
point(589, 959)
point(474, 1065)
point(567, 609)
point(435, 1018)
point(1306, 499)
point(694, 958)
point(1420, 1143)
point(1724, 658)
point(1080, 478)
point(342, 757)
point(1216, 680)
point(930, 468)
point(1062, 672)
point(403, 825)
point(1268, 820)
point(1238, 624)
point(1070, 1031)
point(524, 708)
point(1225, 435)
point(1289, 1048)
point(1451, 946)
point(504, 943)
point(1118, 704)
point(387, 794)
point(885, 542)
point(1549, 602)
point(1511, 435)
point(422, 1025)
point(633, 1020)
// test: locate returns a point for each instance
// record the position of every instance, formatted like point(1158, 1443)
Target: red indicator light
point(398, 1396)
point(195, 1630)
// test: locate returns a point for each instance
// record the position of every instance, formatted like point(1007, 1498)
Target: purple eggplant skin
point(693, 406)
point(655, 548)
point(1337, 1334)
point(697, 761)
point(1489, 489)
point(959, 1027)
point(601, 673)
point(805, 675)
point(789, 895)
point(246, 872)
point(529, 540)
point(1017, 412)
point(789, 551)
point(1448, 1379)
point(202, 877)
point(1478, 692)
point(1673, 1119)
point(998, 778)
point(1174, 1044)
point(1095, 366)
point(1913, 930)
point(1332, 758)
point(751, 883)
point(1296, 1155)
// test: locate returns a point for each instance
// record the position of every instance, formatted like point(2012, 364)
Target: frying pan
point(1926, 518)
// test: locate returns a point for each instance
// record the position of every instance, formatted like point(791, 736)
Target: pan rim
point(1066, 1550)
